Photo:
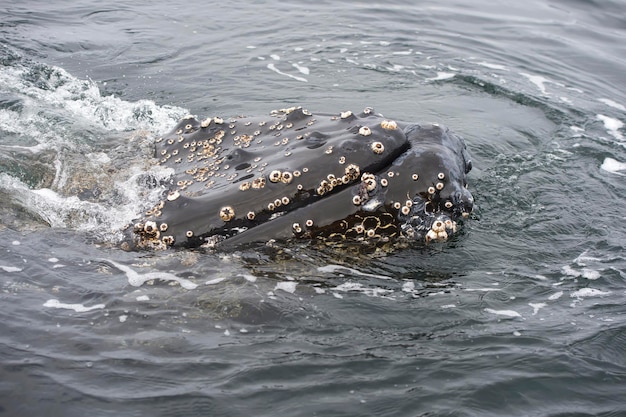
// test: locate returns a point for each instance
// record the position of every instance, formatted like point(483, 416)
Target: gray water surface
point(522, 314)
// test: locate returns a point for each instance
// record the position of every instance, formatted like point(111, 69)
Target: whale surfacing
point(295, 174)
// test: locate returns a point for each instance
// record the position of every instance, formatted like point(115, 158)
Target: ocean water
point(522, 314)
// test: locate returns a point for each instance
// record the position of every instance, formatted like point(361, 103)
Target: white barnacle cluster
point(368, 187)
point(199, 145)
point(258, 183)
point(227, 213)
point(389, 125)
point(440, 230)
point(378, 147)
point(173, 195)
point(365, 131)
point(369, 180)
point(331, 181)
point(274, 176)
point(352, 172)
point(156, 210)
point(302, 230)
point(150, 235)
point(285, 177)
point(327, 184)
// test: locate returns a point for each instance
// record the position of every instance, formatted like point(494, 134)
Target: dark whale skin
point(294, 174)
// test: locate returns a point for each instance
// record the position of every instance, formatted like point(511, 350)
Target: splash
point(73, 157)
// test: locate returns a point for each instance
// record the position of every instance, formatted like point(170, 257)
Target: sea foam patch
point(612, 126)
point(79, 308)
point(588, 292)
point(538, 80)
point(360, 288)
point(287, 286)
point(136, 279)
point(7, 268)
point(614, 166)
point(334, 269)
point(612, 103)
point(506, 313)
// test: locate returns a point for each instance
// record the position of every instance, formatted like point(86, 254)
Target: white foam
point(492, 66)
point(277, 71)
point(83, 100)
point(98, 158)
point(587, 273)
point(304, 70)
point(331, 269)
point(505, 313)
point(538, 80)
point(136, 280)
point(248, 277)
point(555, 296)
point(71, 212)
point(58, 110)
point(319, 290)
point(536, 307)
point(79, 308)
point(215, 281)
point(143, 298)
point(614, 166)
point(583, 257)
point(612, 126)
point(10, 268)
point(287, 286)
point(442, 76)
point(588, 292)
point(590, 274)
point(612, 103)
point(358, 287)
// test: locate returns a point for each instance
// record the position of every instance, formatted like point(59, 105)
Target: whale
point(293, 174)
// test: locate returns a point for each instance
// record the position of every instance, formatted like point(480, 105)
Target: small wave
point(72, 156)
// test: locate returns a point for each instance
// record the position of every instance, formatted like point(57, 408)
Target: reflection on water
point(519, 314)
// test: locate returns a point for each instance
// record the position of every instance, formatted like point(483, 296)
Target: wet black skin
point(294, 174)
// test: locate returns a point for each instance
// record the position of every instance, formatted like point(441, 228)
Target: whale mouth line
point(328, 176)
